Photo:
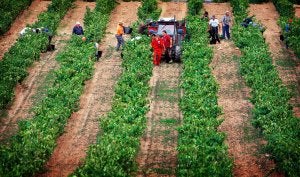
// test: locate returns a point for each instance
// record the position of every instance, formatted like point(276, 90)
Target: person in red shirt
point(158, 47)
point(167, 44)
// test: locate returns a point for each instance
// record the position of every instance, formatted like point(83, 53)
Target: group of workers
point(214, 27)
point(161, 45)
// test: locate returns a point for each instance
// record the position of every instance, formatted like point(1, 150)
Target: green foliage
point(115, 152)
point(194, 6)
point(105, 6)
point(25, 51)
point(201, 148)
point(10, 9)
point(258, 1)
point(272, 112)
point(30, 148)
point(284, 7)
point(148, 10)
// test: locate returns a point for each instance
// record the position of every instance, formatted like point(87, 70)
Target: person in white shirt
point(214, 26)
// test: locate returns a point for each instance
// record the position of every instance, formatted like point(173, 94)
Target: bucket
point(127, 30)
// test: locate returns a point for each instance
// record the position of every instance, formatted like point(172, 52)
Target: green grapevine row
point(201, 148)
point(27, 49)
point(272, 112)
point(10, 9)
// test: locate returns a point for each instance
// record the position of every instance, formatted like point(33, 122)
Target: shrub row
point(10, 9)
point(272, 112)
point(27, 49)
point(201, 148)
point(148, 10)
point(284, 7)
point(30, 148)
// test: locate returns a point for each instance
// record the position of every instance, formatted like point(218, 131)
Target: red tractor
point(176, 30)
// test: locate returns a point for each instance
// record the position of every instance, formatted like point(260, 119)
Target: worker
point(78, 29)
point(214, 27)
point(119, 35)
point(158, 47)
point(226, 20)
point(167, 42)
point(205, 16)
point(287, 30)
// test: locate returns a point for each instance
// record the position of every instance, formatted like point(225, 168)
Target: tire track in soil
point(286, 63)
point(233, 96)
point(26, 91)
point(158, 154)
point(83, 125)
point(28, 16)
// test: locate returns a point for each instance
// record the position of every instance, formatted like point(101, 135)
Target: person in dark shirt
point(78, 29)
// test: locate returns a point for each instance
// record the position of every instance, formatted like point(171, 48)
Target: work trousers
point(215, 34)
point(120, 41)
point(225, 31)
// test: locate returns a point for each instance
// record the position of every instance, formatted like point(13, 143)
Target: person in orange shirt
point(167, 44)
point(119, 35)
point(158, 48)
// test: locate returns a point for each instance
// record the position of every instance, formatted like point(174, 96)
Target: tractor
point(176, 30)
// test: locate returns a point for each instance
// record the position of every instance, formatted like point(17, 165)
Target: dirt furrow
point(285, 62)
point(28, 16)
point(26, 93)
point(158, 154)
point(95, 102)
point(233, 96)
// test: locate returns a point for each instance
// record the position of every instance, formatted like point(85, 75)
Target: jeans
point(225, 31)
point(120, 41)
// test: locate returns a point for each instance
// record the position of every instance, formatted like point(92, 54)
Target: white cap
point(77, 23)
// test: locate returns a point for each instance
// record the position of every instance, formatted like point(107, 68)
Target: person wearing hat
point(78, 29)
point(158, 48)
point(226, 20)
point(119, 35)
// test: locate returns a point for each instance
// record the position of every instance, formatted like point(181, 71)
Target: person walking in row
point(167, 42)
point(119, 36)
point(226, 20)
point(158, 48)
point(214, 27)
point(78, 30)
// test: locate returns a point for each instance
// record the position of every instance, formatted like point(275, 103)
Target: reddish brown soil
point(297, 10)
point(28, 16)
point(83, 125)
point(233, 95)
point(27, 90)
point(177, 9)
point(266, 13)
point(158, 154)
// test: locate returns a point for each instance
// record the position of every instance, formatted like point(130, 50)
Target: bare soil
point(28, 16)
point(297, 10)
point(95, 102)
point(26, 93)
point(284, 60)
point(242, 138)
point(158, 154)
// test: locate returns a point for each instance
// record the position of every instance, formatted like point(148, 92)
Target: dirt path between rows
point(286, 63)
point(158, 154)
point(28, 16)
point(28, 93)
point(233, 97)
point(83, 125)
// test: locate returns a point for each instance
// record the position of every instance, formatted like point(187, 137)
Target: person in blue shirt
point(287, 30)
point(78, 29)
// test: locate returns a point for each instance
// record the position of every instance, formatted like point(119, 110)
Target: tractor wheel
point(176, 53)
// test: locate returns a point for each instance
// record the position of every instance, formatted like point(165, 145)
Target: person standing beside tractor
point(158, 47)
point(119, 36)
point(226, 20)
point(214, 27)
point(167, 42)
